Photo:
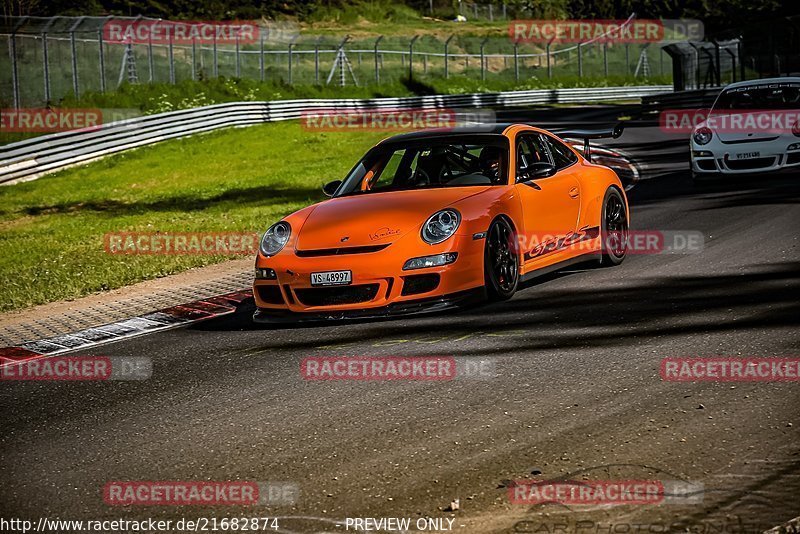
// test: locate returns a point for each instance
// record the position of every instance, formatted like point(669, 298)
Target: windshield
point(430, 163)
point(760, 97)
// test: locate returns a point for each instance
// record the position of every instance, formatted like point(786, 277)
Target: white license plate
point(748, 155)
point(331, 278)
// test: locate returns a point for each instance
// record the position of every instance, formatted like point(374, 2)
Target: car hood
point(375, 218)
point(732, 126)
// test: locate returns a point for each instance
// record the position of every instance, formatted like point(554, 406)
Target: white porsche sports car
point(753, 126)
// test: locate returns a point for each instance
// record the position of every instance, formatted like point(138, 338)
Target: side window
point(562, 155)
point(531, 149)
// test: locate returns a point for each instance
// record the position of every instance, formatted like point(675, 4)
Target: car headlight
point(275, 238)
point(440, 226)
point(703, 136)
point(796, 129)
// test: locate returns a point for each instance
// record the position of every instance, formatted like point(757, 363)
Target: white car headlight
point(796, 129)
point(440, 226)
point(275, 238)
point(703, 136)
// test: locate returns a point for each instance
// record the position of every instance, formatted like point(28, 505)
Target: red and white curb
point(166, 318)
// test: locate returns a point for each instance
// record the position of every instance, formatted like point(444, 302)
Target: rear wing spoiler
point(586, 135)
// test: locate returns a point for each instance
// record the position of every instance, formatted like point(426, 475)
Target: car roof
point(485, 129)
point(763, 81)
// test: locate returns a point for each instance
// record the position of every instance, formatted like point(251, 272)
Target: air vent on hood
point(340, 251)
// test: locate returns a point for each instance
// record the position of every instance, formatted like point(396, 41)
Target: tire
point(614, 228)
point(501, 261)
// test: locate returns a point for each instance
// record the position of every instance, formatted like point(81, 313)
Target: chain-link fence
point(45, 59)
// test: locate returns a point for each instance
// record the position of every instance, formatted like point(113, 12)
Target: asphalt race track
point(576, 392)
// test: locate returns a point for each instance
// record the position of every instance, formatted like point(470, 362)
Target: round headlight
point(275, 238)
point(796, 129)
point(703, 136)
point(440, 226)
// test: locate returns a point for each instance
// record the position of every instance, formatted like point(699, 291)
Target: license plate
point(748, 155)
point(331, 278)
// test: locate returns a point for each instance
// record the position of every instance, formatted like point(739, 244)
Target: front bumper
point(723, 158)
point(379, 286)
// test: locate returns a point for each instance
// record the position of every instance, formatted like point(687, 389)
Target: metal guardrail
point(695, 99)
point(29, 159)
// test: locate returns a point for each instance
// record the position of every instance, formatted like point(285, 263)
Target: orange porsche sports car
point(434, 219)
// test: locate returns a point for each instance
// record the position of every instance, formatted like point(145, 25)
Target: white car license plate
point(748, 155)
point(331, 278)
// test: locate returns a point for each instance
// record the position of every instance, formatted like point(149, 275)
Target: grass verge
point(52, 229)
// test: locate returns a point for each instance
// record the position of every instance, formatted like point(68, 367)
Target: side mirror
point(331, 187)
point(540, 169)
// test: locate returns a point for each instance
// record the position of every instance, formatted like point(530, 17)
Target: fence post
point(605, 59)
point(627, 59)
point(194, 58)
point(14, 74)
point(102, 62)
point(491, 14)
point(580, 59)
point(291, 48)
point(74, 53)
point(447, 56)
point(661, 61)
point(238, 61)
point(377, 66)
point(549, 64)
point(516, 60)
point(216, 60)
point(411, 57)
point(171, 52)
point(150, 65)
point(475, 10)
point(483, 59)
point(741, 58)
point(505, 15)
point(261, 55)
point(316, 59)
point(733, 63)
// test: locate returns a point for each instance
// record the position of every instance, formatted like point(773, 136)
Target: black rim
point(503, 257)
point(616, 227)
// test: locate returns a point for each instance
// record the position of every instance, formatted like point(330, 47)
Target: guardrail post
point(238, 60)
point(483, 59)
point(516, 59)
point(447, 56)
point(261, 55)
point(411, 57)
point(580, 59)
point(549, 64)
point(171, 53)
point(377, 66)
point(102, 62)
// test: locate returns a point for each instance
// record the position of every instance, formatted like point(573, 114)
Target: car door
point(550, 205)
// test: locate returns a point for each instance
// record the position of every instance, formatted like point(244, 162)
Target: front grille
point(749, 164)
point(333, 296)
point(270, 294)
point(419, 283)
point(340, 251)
